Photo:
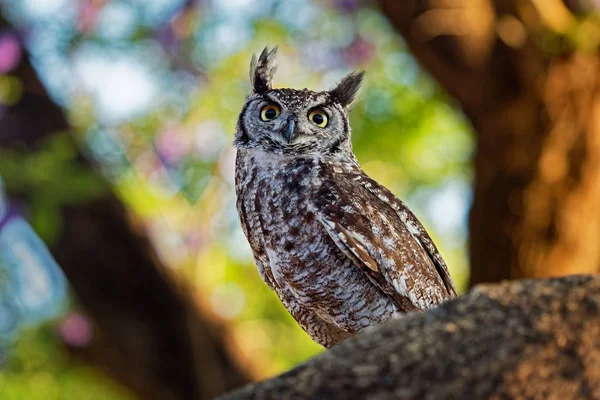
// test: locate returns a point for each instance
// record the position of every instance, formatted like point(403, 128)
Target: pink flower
point(88, 13)
point(358, 52)
point(10, 52)
point(172, 145)
point(76, 330)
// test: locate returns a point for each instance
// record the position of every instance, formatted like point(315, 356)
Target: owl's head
point(295, 122)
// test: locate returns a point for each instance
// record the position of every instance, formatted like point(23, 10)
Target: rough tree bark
point(150, 336)
point(531, 339)
point(533, 101)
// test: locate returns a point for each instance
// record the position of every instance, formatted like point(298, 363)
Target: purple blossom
point(172, 145)
point(76, 330)
point(165, 36)
point(347, 6)
point(10, 52)
point(359, 51)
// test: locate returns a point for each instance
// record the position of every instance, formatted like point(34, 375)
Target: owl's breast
point(273, 202)
point(280, 198)
point(273, 199)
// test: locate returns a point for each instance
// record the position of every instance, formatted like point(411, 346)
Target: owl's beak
point(289, 129)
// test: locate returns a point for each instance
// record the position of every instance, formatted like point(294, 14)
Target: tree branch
point(528, 339)
point(453, 39)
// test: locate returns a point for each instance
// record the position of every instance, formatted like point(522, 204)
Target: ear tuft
point(262, 71)
point(345, 92)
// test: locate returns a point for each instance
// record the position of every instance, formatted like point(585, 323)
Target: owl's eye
point(269, 112)
point(318, 117)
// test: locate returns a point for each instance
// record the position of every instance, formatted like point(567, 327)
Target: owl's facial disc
point(293, 122)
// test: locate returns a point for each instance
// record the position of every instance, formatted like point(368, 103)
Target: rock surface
point(534, 339)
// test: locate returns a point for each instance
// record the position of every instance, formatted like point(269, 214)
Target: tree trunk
point(150, 336)
point(533, 102)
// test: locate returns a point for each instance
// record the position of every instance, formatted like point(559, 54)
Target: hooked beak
point(289, 129)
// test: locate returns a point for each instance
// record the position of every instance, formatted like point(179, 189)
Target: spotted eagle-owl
point(341, 251)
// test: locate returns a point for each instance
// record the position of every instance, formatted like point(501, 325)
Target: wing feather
point(382, 237)
point(347, 242)
point(414, 226)
point(355, 251)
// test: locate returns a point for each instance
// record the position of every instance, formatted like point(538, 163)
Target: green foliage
point(51, 177)
point(36, 368)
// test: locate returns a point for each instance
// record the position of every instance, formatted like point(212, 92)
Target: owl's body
point(339, 249)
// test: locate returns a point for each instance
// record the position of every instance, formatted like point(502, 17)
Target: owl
point(339, 249)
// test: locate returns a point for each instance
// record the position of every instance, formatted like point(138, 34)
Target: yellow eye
point(318, 117)
point(269, 112)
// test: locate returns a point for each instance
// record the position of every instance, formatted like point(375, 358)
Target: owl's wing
point(382, 237)
point(414, 226)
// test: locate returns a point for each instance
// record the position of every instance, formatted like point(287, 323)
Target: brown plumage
point(341, 251)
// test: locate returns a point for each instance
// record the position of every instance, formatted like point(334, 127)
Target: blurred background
point(123, 269)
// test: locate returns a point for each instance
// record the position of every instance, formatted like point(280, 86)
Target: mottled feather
point(383, 240)
point(415, 227)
